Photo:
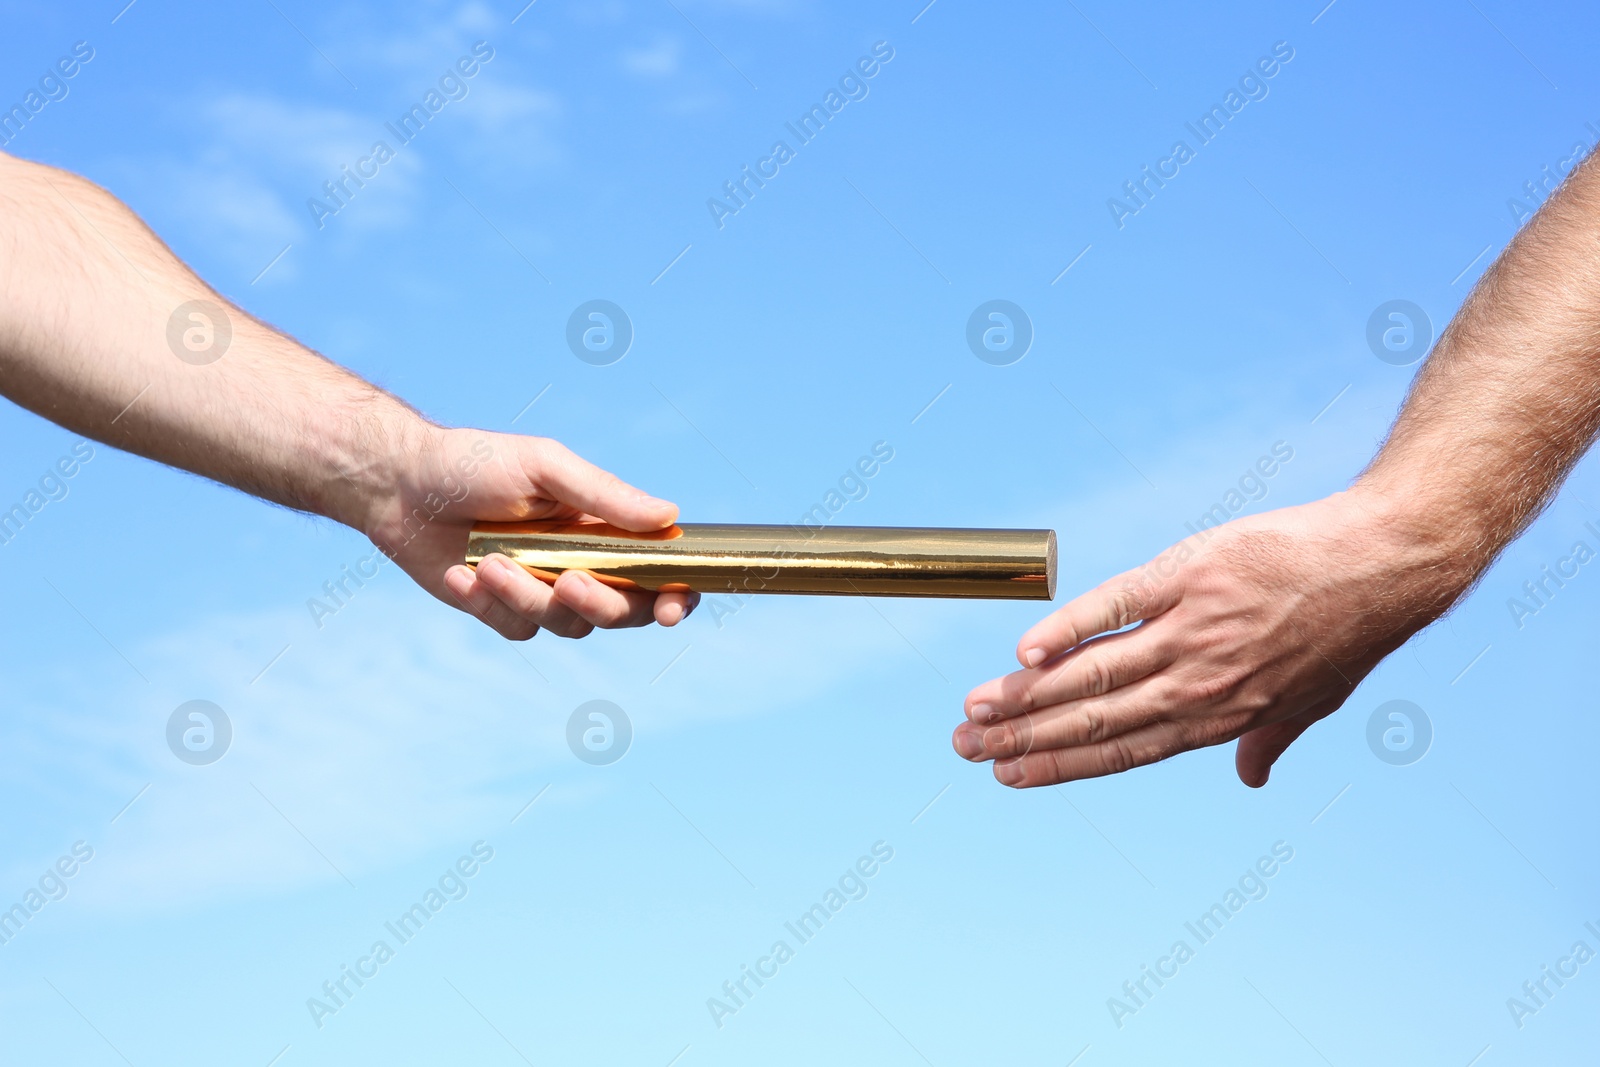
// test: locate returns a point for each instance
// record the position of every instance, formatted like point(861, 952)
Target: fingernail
point(968, 744)
point(655, 503)
point(1033, 657)
point(1008, 771)
point(984, 713)
point(672, 614)
point(458, 580)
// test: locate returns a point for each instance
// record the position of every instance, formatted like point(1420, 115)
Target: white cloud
point(507, 110)
point(659, 60)
point(295, 136)
point(399, 727)
point(477, 17)
point(429, 40)
point(247, 215)
point(244, 189)
point(261, 158)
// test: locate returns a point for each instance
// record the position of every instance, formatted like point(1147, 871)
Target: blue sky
point(773, 751)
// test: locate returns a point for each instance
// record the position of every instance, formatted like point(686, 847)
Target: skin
point(86, 294)
point(1258, 628)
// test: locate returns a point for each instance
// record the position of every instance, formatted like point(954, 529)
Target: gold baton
point(837, 560)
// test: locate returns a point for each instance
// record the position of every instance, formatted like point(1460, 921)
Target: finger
point(1124, 600)
point(1074, 724)
point(673, 608)
point(1260, 748)
point(1090, 670)
point(475, 598)
point(529, 598)
point(575, 481)
point(1149, 744)
point(603, 605)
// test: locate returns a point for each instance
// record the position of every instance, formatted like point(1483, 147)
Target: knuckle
point(1098, 677)
point(1157, 745)
point(1058, 766)
point(602, 616)
point(1021, 736)
point(1254, 700)
point(1000, 740)
point(1022, 696)
point(1127, 605)
point(527, 604)
point(1203, 735)
point(560, 626)
point(511, 626)
point(1217, 687)
point(1186, 735)
point(1067, 634)
point(549, 453)
point(607, 484)
point(510, 596)
point(1046, 768)
point(1164, 695)
point(1118, 756)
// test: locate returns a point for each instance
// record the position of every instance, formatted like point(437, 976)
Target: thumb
point(1260, 748)
point(575, 481)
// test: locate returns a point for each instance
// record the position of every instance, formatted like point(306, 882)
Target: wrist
point(371, 447)
point(1431, 547)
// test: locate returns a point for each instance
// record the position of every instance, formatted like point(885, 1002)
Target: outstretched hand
point(1253, 630)
point(454, 478)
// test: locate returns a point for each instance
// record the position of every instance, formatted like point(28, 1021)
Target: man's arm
point(105, 331)
point(1260, 627)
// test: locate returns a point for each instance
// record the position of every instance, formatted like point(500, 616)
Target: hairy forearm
point(1510, 398)
point(87, 292)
